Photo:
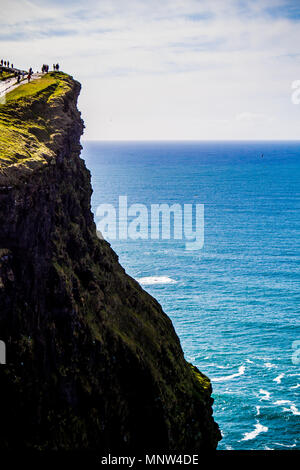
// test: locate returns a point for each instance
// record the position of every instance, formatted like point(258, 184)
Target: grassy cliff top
point(4, 75)
point(26, 124)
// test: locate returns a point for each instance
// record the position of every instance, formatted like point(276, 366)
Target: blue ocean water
point(235, 303)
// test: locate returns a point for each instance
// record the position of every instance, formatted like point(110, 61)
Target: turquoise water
point(235, 303)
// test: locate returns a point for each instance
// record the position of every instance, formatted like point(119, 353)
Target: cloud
point(179, 68)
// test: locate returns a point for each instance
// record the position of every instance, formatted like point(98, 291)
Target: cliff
point(92, 360)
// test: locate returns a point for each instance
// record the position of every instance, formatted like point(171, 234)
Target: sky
point(167, 69)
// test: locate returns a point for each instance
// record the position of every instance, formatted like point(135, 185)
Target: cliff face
point(92, 360)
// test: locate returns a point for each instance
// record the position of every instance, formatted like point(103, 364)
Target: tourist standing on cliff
point(57, 67)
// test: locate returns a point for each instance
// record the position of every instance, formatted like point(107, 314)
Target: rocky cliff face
point(92, 360)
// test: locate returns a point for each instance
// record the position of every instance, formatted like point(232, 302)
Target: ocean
point(235, 302)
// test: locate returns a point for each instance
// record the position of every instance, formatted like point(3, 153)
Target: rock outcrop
point(92, 360)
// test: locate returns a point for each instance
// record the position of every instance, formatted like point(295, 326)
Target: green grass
point(5, 75)
point(54, 80)
point(30, 89)
point(201, 379)
point(25, 130)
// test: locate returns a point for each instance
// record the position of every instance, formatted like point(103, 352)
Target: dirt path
point(12, 83)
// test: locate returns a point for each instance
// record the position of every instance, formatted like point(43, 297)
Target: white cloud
point(174, 69)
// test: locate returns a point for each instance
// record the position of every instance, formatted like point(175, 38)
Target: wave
point(229, 377)
point(295, 386)
point(282, 402)
point(284, 445)
point(293, 409)
point(259, 428)
point(257, 410)
point(269, 365)
point(265, 393)
point(279, 378)
point(150, 280)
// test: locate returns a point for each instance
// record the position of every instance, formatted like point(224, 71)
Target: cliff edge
point(92, 360)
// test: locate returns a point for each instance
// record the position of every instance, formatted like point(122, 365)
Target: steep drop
point(92, 360)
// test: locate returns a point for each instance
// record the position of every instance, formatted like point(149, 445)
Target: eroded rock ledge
point(92, 360)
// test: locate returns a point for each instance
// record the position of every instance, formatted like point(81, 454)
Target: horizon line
point(190, 140)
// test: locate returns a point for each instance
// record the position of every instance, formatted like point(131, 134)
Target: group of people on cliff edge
point(5, 63)
point(45, 68)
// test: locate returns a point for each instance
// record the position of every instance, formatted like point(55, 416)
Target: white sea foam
point(229, 377)
point(279, 378)
point(249, 361)
point(282, 402)
point(257, 410)
point(284, 445)
point(259, 428)
point(150, 280)
point(265, 393)
point(293, 409)
point(295, 386)
point(269, 365)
